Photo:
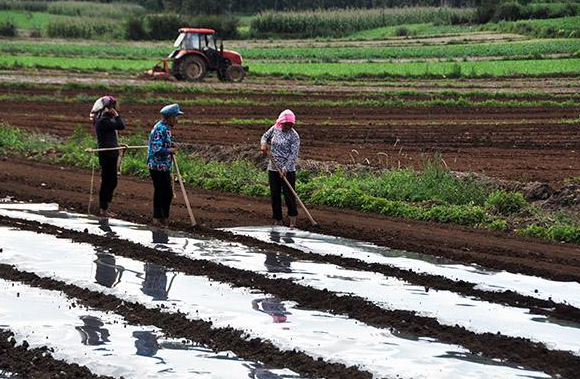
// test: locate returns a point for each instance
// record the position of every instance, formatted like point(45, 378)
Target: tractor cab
point(196, 52)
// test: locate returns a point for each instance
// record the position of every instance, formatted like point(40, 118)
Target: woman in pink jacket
point(284, 145)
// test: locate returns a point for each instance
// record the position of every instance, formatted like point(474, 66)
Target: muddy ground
point(509, 143)
point(524, 144)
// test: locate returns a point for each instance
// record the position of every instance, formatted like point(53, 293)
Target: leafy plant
point(505, 203)
point(7, 28)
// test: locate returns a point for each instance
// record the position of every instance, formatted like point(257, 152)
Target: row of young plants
point(135, 98)
point(433, 194)
point(146, 89)
point(536, 48)
point(334, 71)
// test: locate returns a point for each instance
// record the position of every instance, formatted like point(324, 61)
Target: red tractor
point(195, 54)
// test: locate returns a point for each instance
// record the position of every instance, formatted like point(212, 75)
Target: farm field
point(441, 167)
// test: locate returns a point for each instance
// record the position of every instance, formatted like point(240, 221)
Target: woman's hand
point(172, 150)
point(283, 173)
point(264, 148)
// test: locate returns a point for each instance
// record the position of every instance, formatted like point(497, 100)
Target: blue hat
point(171, 110)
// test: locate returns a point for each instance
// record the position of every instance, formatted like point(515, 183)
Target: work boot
point(106, 213)
point(157, 222)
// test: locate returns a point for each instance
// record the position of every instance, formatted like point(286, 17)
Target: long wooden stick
point(314, 223)
point(115, 148)
point(120, 161)
point(185, 198)
point(91, 190)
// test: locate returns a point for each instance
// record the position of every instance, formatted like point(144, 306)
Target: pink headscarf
point(286, 116)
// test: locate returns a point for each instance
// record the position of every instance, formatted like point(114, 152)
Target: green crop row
point(505, 68)
point(327, 70)
point(507, 49)
point(366, 102)
point(325, 54)
point(433, 194)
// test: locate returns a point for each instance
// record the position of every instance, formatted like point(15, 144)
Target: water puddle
point(107, 345)
point(334, 338)
point(490, 280)
point(4, 374)
point(387, 292)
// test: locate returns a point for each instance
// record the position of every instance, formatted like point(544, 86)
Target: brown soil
point(526, 144)
point(517, 351)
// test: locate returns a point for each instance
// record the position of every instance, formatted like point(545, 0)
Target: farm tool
point(185, 198)
point(196, 53)
point(314, 223)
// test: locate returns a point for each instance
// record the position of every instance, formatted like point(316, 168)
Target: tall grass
point(339, 23)
point(94, 9)
point(84, 27)
point(23, 5)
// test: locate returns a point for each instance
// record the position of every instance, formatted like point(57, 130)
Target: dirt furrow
point(37, 363)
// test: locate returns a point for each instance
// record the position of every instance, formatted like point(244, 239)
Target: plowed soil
point(511, 143)
point(526, 144)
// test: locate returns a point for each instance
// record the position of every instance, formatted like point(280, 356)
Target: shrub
point(469, 215)
point(508, 11)
point(505, 203)
point(402, 32)
point(498, 224)
point(135, 29)
point(7, 28)
point(163, 26)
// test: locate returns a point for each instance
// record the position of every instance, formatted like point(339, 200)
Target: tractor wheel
point(193, 68)
point(176, 70)
point(235, 73)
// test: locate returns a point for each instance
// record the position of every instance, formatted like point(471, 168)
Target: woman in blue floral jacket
point(159, 160)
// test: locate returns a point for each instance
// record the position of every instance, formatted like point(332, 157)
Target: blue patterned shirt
point(158, 157)
point(284, 147)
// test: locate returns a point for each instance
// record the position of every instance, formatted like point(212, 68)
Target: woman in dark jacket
point(107, 123)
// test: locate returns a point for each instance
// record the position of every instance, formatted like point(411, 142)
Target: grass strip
point(433, 194)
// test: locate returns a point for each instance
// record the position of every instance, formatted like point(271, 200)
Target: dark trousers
point(108, 165)
point(277, 186)
point(162, 193)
